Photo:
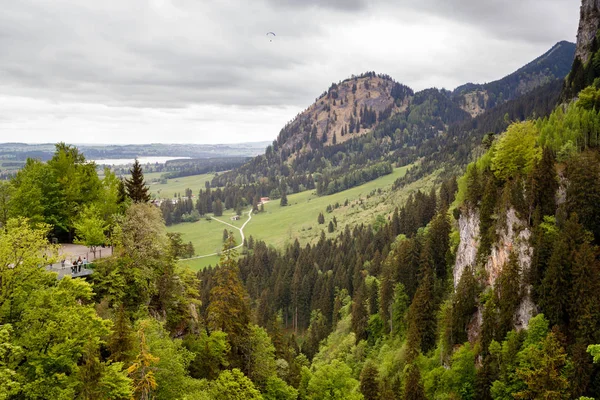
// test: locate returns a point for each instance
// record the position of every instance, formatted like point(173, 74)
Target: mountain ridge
point(370, 118)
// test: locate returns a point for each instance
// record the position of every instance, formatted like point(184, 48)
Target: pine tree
point(464, 305)
point(228, 309)
point(583, 192)
point(217, 208)
point(395, 226)
point(439, 237)
point(585, 295)
point(509, 293)
point(321, 219)
point(135, 186)
point(544, 184)
point(284, 200)
point(121, 340)
point(360, 315)
point(369, 381)
point(330, 228)
point(556, 285)
point(421, 314)
point(473, 185)
point(413, 387)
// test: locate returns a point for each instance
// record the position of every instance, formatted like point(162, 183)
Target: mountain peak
point(347, 109)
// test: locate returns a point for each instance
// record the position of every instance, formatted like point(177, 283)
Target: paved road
point(228, 224)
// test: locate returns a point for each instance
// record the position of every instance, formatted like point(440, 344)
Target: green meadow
point(175, 185)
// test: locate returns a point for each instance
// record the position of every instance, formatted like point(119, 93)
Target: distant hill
point(44, 151)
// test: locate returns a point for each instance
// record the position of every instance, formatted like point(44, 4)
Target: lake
point(142, 160)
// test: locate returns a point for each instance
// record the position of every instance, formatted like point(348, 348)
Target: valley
point(280, 226)
point(389, 244)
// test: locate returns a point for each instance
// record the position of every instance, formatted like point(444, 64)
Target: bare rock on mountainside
point(589, 23)
point(347, 109)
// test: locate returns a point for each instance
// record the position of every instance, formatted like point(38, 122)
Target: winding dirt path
point(241, 229)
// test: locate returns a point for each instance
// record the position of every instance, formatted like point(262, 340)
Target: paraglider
point(270, 37)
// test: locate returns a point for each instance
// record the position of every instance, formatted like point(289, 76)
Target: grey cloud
point(162, 53)
point(345, 5)
point(529, 20)
point(101, 55)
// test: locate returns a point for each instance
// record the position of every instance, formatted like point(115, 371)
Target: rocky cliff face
point(589, 23)
point(468, 226)
point(513, 237)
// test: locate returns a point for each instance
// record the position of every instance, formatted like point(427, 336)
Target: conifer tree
point(473, 185)
point(284, 200)
point(585, 295)
point(369, 381)
point(135, 186)
point(544, 184)
point(555, 288)
point(360, 314)
point(395, 226)
point(218, 208)
point(121, 340)
point(509, 293)
point(228, 309)
point(464, 305)
point(413, 387)
point(439, 234)
point(421, 313)
point(583, 192)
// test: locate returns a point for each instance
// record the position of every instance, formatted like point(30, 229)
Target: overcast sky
point(204, 71)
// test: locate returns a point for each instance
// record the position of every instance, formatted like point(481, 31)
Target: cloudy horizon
point(183, 71)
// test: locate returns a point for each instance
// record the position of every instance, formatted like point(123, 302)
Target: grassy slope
point(176, 185)
point(279, 226)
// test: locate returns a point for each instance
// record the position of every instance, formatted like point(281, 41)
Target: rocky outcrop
point(589, 23)
point(512, 237)
point(468, 226)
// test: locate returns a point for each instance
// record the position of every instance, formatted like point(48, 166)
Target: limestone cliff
point(589, 23)
point(513, 236)
point(468, 226)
